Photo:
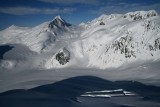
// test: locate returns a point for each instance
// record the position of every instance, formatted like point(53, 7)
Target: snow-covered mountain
point(107, 41)
point(113, 47)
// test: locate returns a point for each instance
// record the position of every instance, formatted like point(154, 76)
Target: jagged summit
point(58, 22)
point(58, 18)
point(138, 15)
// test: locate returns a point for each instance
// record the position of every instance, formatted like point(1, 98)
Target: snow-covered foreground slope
point(28, 78)
point(84, 91)
point(128, 43)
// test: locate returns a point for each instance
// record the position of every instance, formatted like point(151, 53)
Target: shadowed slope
point(65, 93)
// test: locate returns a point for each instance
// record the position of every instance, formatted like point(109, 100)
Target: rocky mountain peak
point(58, 22)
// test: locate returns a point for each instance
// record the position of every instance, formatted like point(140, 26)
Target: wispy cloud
point(125, 7)
point(31, 10)
point(71, 1)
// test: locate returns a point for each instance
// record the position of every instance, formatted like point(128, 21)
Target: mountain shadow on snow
point(66, 93)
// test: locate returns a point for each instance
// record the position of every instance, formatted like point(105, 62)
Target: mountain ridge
point(107, 41)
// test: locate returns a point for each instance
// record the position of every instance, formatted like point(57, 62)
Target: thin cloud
point(125, 7)
point(31, 10)
point(71, 1)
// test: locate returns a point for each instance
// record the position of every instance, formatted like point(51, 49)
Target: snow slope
point(121, 41)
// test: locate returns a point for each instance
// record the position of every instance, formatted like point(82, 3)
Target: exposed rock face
point(123, 44)
point(63, 56)
point(102, 23)
point(157, 44)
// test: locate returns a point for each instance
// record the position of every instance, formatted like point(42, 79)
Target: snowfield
point(113, 47)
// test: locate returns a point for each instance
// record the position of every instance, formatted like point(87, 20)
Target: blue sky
point(33, 12)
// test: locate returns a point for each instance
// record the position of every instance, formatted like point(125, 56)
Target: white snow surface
point(114, 47)
point(108, 93)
